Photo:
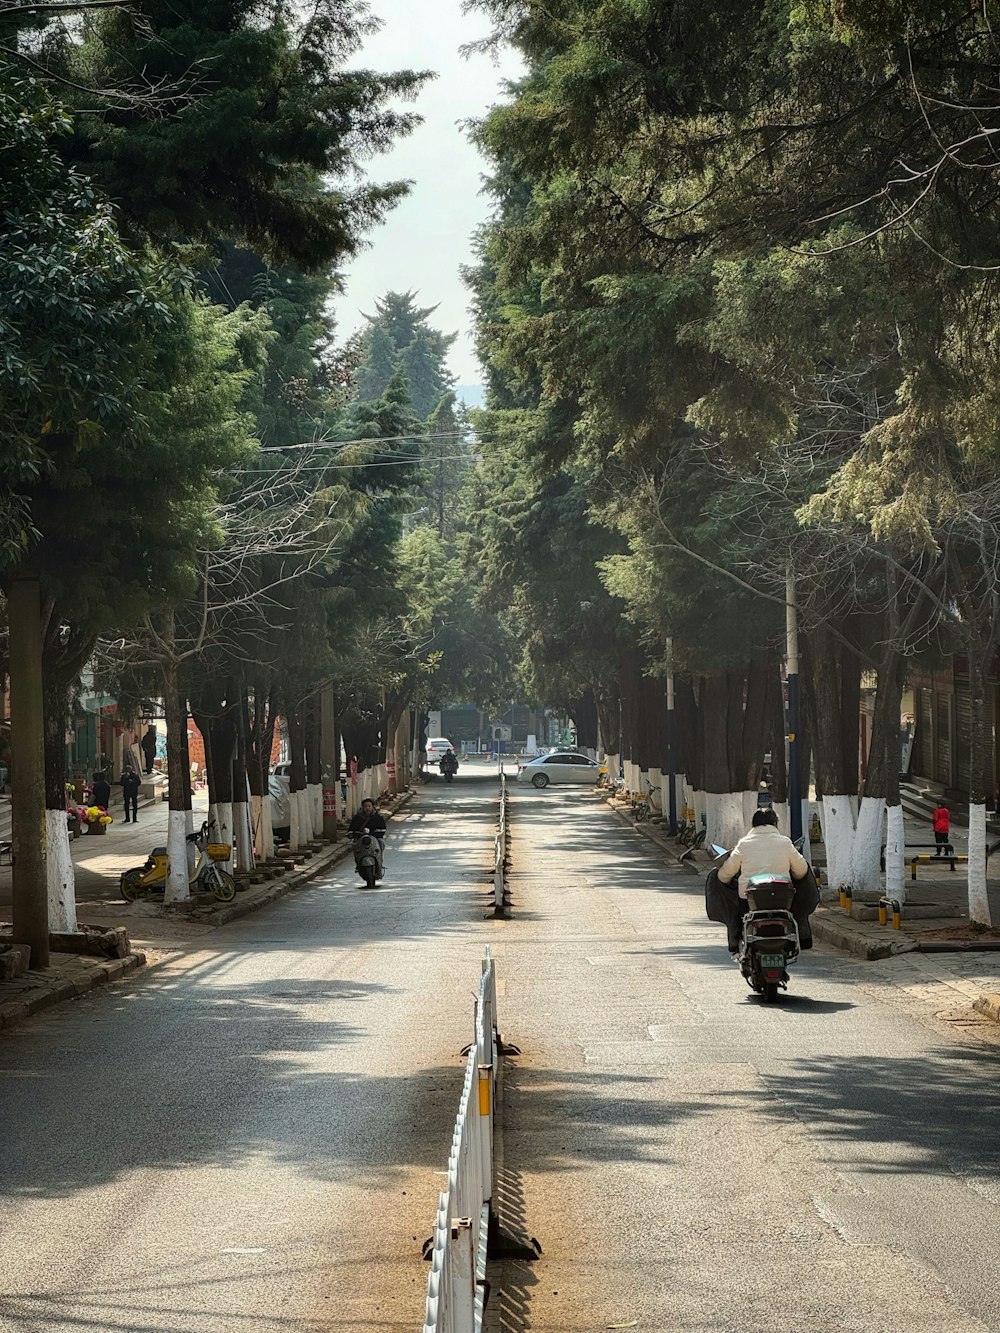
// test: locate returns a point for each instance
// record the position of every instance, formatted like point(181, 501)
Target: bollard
point(897, 915)
point(883, 915)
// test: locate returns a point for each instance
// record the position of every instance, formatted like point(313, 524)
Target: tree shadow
point(901, 1114)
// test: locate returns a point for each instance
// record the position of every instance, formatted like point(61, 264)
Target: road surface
point(253, 1137)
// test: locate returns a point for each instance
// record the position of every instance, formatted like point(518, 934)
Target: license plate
point(772, 960)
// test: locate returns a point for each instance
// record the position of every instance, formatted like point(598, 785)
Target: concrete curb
point(55, 990)
point(846, 934)
point(988, 1006)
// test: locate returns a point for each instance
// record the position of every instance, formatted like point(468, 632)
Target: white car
point(559, 766)
point(436, 747)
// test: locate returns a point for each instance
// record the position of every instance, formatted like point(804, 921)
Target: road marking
point(236, 1250)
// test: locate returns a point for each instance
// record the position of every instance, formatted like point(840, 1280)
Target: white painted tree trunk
point(838, 837)
point(244, 835)
point(314, 796)
point(979, 902)
point(780, 808)
point(656, 779)
point(725, 823)
point(192, 851)
point(865, 871)
point(294, 822)
point(895, 853)
point(256, 816)
point(265, 833)
point(223, 831)
point(177, 889)
point(59, 869)
point(611, 761)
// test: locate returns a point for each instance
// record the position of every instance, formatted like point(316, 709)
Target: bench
point(918, 847)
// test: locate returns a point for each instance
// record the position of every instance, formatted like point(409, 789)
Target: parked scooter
point(448, 764)
point(770, 940)
point(367, 857)
point(208, 875)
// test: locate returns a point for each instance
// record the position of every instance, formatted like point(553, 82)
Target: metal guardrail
point(456, 1285)
point(501, 848)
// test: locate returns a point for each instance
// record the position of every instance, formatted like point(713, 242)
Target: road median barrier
point(501, 855)
point(466, 1229)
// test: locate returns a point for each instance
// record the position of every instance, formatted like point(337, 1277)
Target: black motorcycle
point(448, 765)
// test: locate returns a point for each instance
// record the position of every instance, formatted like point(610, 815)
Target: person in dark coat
point(148, 744)
point(100, 791)
point(131, 782)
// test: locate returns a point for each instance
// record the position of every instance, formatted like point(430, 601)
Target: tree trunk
point(832, 678)
point(59, 860)
point(979, 902)
point(30, 907)
point(299, 830)
point(314, 766)
point(179, 781)
point(241, 809)
point(881, 788)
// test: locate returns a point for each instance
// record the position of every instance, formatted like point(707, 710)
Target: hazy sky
point(427, 236)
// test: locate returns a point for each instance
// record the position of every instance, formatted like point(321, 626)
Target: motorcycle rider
point(765, 851)
point(369, 818)
point(449, 763)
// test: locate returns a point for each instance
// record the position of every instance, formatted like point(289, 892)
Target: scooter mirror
point(717, 850)
point(799, 843)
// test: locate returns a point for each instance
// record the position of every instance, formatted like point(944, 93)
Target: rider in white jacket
point(763, 851)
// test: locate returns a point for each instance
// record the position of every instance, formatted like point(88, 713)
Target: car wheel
point(540, 780)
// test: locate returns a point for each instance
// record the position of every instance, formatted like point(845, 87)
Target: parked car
point(559, 766)
point(436, 747)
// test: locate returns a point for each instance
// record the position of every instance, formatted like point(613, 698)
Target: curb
point(988, 1006)
point(860, 944)
point(104, 973)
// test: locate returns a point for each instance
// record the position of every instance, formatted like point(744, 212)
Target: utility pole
point(30, 902)
point(671, 745)
point(792, 677)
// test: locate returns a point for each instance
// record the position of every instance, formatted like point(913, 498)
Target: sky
point(428, 236)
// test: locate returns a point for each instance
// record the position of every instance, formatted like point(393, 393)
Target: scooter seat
point(158, 851)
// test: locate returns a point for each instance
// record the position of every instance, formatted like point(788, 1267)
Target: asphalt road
point(692, 1160)
point(254, 1137)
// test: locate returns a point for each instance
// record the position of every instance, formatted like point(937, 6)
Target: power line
point(373, 439)
point(347, 467)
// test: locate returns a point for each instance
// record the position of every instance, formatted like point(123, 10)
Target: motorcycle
point(770, 940)
point(448, 765)
point(367, 857)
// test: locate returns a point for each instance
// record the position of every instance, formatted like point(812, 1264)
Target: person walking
point(148, 744)
point(942, 827)
point(131, 782)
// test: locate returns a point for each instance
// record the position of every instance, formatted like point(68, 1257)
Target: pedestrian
point(148, 744)
point(100, 791)
point(942, 825)
point(131, 782)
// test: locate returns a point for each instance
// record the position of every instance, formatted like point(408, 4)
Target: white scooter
point(367, 857)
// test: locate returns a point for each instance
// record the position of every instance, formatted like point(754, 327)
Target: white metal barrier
point(456, 1291)
point(500, 848)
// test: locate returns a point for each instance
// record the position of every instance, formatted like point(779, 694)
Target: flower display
point(95, 814)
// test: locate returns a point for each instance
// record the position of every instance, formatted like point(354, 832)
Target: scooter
point(207, 876)
point(367, 857)
point(770, 942)
point(449, 766)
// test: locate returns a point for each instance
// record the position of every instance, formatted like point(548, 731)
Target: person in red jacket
point(942, 826)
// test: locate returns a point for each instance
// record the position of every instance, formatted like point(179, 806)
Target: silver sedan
point(562, 766)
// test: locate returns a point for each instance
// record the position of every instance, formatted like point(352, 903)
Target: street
point(253, 1136)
